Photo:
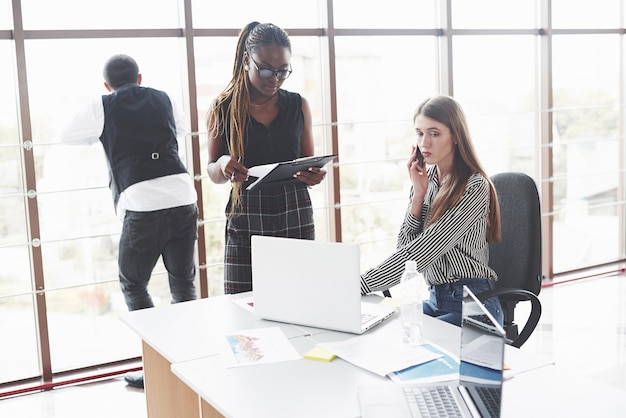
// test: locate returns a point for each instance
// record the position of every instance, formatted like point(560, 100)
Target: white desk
point(186, 378)
point(557, 392)
point(182, 332)
point(302, 388)
point(306, 388)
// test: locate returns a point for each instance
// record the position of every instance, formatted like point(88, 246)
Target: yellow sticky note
point(319, 353)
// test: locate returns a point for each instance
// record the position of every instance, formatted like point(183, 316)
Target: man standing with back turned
point(152, 191)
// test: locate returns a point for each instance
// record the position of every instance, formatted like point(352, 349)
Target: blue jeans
point(445, 300)
point(146, 236)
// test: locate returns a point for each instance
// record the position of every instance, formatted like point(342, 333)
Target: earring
point(246, 68)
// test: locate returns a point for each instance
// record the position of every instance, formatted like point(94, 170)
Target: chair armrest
point(518, 295)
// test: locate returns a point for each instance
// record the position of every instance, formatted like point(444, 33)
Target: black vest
point(139, 137)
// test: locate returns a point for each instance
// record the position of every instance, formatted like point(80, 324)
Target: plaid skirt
point(280, 211)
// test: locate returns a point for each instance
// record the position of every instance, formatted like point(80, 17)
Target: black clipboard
point(282, 173)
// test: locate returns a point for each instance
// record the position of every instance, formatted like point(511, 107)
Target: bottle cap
point(410, 265)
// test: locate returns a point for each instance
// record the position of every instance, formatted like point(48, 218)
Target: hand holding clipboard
point(283, 172)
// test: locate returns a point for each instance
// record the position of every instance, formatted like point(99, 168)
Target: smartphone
point(419, 157)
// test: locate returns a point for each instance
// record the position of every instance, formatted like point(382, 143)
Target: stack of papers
point(381, 355)
point(443, 368)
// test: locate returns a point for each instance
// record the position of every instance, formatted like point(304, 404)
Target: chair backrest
point(516, 259)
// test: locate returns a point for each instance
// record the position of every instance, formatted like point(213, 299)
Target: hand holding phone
point(419, 157)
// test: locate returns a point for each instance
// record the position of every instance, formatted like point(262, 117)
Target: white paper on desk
point(441, 369)
point(257, 346)
point(245, 302)
point(378, 354)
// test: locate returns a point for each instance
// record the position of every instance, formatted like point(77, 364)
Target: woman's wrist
point(416, 205)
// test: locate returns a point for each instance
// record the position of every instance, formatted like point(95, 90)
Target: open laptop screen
point(481, 356)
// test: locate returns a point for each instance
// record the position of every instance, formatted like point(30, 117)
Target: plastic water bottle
point(411, 308)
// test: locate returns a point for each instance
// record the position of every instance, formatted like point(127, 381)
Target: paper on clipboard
point(261, 170)
point(280, 173)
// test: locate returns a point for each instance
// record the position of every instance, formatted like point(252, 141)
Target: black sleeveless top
point(281, 141)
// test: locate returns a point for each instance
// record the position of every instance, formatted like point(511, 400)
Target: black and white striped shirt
point(452, 248)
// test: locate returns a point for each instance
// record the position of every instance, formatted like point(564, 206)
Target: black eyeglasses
point(267, 73)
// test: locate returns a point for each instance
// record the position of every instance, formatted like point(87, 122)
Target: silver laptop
point(312, 283)
point(478, 392)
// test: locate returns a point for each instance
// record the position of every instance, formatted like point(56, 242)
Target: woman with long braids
point(452, 215)
point(253, 122)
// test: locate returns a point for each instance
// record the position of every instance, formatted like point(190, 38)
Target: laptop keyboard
point(431, 402)
point(481, 318)
point(490, 398)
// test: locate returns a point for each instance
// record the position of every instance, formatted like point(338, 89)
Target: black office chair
point(517, 257)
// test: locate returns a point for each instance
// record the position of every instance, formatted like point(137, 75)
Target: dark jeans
point(445, 301)
point(146, 236)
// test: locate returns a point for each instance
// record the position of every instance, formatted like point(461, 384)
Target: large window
point(109, 14)
point(502, 115)
point(380, 82)
point(236, 14)
point(588, 150)
point(542, 97)
point(79, 229)
point(494, 14)
point(357, 14)
point(17, 322)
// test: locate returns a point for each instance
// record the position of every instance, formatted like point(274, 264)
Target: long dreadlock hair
point(231, 107)
point(446, 110)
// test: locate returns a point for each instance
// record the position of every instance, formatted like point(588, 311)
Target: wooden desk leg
point(166, 395)
point(208, 411)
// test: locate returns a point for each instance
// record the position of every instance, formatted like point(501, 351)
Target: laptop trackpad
point(383, 401)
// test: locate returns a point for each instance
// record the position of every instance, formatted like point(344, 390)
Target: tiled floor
point(583, 328)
